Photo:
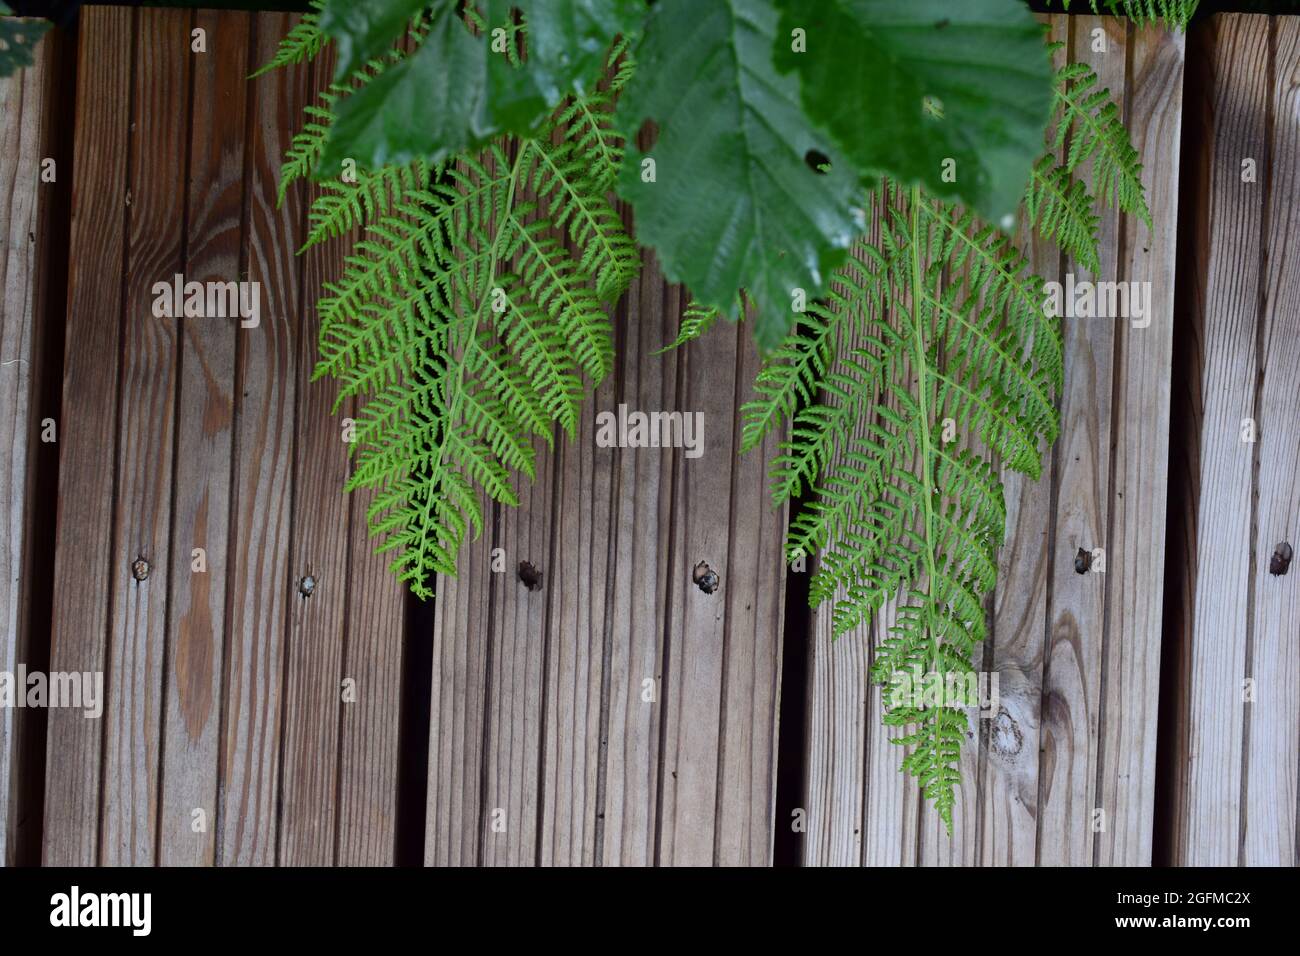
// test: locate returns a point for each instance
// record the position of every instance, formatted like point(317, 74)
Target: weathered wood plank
point(369, 741)
point(146, 417)
point(1139, 475)
point(261, 584)
point(1273, 739)
point(755, 616)
point(86, 562)
point(634, 631)
point(205, 410)
point(1072, 678)
point(319, 550)
point(1237, 730)
point(548, 706)
point(692, 688)
point(720, 693)
point(1228, 250)
point(26, 248)
point(572, 745)
point(461, 630)
point(1010, 740)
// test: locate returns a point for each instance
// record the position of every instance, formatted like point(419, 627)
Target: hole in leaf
point(817, 161)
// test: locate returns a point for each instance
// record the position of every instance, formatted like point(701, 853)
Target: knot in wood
point(1005, 735)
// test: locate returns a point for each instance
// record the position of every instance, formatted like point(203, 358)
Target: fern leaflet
point(899, 511)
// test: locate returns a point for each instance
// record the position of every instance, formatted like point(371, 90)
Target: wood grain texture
point(87, 562)
point(1010, 742)
point(260, 587)
point(205, 449)
point(1234, 775)
point(1076, 602)
point(320, 548)
point(1273, 736)
point(26, 247)
point(619, 715)
point(1139, 472)
point(146, 423)
point(1228, 255)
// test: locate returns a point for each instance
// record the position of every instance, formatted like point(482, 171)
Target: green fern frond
point(901, 510)
point(302, 157)
point(1091, 121)
point(464, 323)
point(696, 321)
point(589, 119)
point(342, 205)
point(301, 43)
point(1061, 209)
point(1173, 13)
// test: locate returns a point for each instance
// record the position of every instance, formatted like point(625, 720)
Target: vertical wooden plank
point(583, 539)
point(692, 691)
point(204, 447)
point(1228, 252)
point(1140, 472)
point(369, 728)
point(86, 563)
point(1273, 739)
point(320, 546)
point(1009, 741)
point(146, 410)
point(720, 694)
point(368, 746)
point(26, 240)
point(260, 585)
point(755, 610)
point(639, 582)
point(460, 637)
point(513, 718)
point(1076, 603)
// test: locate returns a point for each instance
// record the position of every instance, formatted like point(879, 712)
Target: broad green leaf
point(18, 41)
point(364, 30)
point(914, 89)
point(735, 201)
point(456, 92)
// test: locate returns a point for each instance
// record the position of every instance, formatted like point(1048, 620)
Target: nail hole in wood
point(706, 579)
point(529, 576)
point(306, 586)
point(1082, 561)
point(1280, 563)
point(140, 569)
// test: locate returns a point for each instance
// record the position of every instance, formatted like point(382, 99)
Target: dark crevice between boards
point(791, 823)
point(413, 731)
point(792, 737)
point(1183, 467)
point(50, 307)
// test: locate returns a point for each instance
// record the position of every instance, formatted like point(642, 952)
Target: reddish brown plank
point(261, 580)
point(87, 564)
point(204, 447)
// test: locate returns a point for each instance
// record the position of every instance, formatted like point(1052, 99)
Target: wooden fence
point(258, 658)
